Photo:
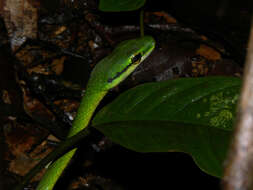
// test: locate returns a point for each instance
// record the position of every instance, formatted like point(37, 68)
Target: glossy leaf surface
point(191, 115)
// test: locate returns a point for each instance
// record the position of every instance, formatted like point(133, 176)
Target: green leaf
point(120, 5)
point(191, 115)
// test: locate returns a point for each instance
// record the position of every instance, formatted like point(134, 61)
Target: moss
point(224, 119)
point(220, 112)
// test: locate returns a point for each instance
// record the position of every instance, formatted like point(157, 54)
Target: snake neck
point(88, 105)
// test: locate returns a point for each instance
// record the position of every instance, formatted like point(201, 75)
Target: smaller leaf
point(120, 5)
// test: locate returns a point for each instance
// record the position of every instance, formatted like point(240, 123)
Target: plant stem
point(142, 22)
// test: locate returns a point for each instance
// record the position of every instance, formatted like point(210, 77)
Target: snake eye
point(136, 58)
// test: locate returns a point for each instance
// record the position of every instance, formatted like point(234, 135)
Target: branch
point(238, 173)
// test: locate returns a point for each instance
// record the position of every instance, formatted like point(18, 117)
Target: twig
point(63, 147)
point(238, 173)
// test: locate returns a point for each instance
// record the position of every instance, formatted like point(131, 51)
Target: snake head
point(114, 68)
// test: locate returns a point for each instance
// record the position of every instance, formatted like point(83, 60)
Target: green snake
point(107, 74)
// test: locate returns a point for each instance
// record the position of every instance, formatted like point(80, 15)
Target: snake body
point(107, 74)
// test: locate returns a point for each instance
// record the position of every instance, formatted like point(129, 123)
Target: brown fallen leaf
point(208, 52)
point(20, 17)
